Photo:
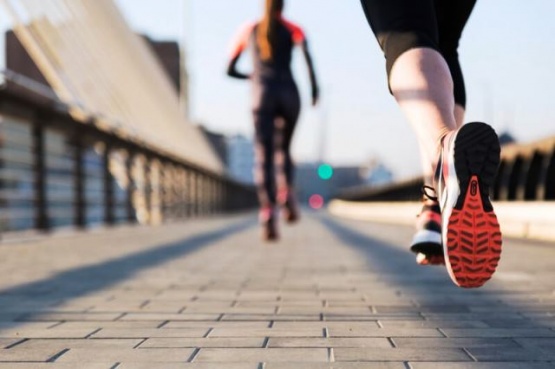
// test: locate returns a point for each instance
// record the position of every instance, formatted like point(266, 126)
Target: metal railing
point(58, 171)
point(526, 173)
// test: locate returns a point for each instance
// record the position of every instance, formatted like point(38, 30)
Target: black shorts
point(401, 25)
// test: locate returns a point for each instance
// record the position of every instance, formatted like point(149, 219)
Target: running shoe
point(291, 213)
point(268, 222)
point(426, 243)
point(471, 235)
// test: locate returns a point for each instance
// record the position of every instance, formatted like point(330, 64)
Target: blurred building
point(240, 158)
point(326, 181)
point(173, 62)
point(236, 152)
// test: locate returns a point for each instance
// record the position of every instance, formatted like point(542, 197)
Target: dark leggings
point(401, 25)
point(276, 110)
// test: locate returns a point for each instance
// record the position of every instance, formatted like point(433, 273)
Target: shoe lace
point(426, 190)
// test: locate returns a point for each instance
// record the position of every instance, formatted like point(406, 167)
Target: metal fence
point(526, 173)
point(56, 171)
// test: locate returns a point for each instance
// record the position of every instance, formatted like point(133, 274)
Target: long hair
point(267, 28)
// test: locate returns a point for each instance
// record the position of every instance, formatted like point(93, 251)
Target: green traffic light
point(325, 172)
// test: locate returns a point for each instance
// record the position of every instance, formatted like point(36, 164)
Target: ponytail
point(266, 33)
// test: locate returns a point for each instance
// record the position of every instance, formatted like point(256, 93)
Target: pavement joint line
point(465, 350)
point(161, 325)
point(208, 333)
point(93, 333)
point(17, 343)
point(442, 332)
point(56, 324)
point(194, 355)
point(120, 317)
point(392, 343)
point(266, 342)
point(140, 343)
point(57, 356)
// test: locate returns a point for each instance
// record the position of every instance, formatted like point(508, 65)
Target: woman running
point(276, 107)
point(457, 226)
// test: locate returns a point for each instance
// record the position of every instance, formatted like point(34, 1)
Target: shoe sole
point(473, 238)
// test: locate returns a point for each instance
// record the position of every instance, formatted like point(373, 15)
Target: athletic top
point(278, 68)
point(288, 35)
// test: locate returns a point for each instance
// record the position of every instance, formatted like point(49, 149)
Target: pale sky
point(507, 54)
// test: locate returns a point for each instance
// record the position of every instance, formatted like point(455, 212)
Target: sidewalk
point(207, 294)
point(529, 220)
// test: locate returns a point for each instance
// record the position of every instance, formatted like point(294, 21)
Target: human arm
point(238, 48)
point(312, 74)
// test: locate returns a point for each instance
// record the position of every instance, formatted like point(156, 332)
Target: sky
point(507, 53)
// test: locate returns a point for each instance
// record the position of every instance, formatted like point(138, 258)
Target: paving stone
point(484, 365)
point(218, 324)
point(355, 283)
point(511, 354)
point(126, 355)
point(411, 324)
point(267, 332)
point(329, 342)
point(79, 343)
point(148, 333)
point(56, 366)
point(188, 366)
point(383, 332)
point(228, 355)
point(5, 342)
point(163, 317)
point(115, 325)
point(203, 342)
point(399, 354)
point(53, 316)
point(426, 343)
point(46, 333)
point(499, 332)
point(286, 317)
point(22, 354)
point(367, 365)
point(326, 324)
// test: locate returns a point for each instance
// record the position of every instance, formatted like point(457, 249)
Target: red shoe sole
point(473, 240)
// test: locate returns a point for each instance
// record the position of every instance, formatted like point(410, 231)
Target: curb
point(528, 220)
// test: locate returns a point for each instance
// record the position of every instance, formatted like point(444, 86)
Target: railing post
point(131, 217)
point(79, 181)
point(41, 213)
point(109, 217)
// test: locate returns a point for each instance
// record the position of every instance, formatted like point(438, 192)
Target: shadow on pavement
point(78, 282)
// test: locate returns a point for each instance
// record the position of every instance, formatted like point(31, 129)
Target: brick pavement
point(208, 294)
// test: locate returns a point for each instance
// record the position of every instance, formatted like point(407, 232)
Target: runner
point(276, 108)
point(457, 226)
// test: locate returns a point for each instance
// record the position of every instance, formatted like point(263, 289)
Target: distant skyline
point(507, 53)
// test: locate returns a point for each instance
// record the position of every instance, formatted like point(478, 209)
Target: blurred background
point(148, 78)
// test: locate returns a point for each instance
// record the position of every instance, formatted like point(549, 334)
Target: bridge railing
point(56, 171)
point(526, 173)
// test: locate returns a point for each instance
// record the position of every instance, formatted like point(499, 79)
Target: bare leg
point(422, 85)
